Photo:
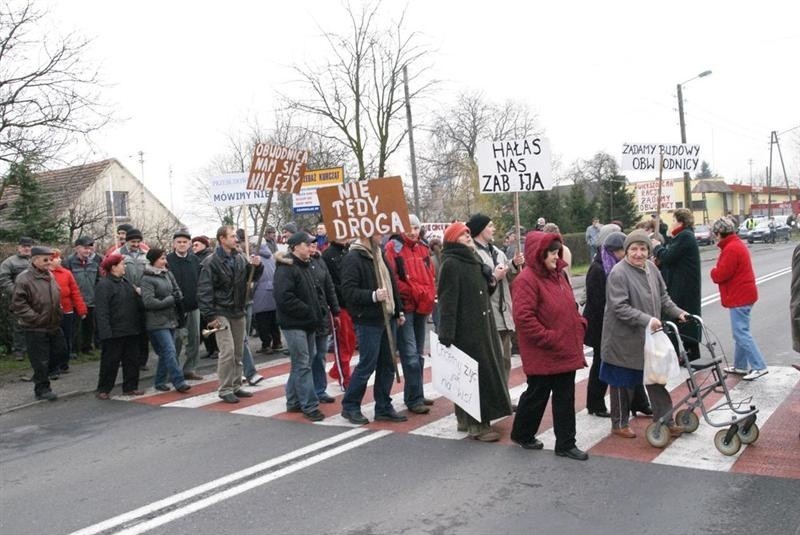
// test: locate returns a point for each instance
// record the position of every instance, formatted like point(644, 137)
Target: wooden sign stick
point(377, 257)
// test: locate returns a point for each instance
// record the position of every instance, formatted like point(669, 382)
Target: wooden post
point(516, 222)
point(658, 198)
point(376, 258)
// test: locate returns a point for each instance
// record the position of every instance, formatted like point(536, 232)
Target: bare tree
point(358, 92)
point(48, 91)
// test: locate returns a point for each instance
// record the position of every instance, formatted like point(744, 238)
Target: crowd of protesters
point(378, 293)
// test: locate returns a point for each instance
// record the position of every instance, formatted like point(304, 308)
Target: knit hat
point(134, 234)
point(414, 220)
point(202, 239)
point(182, 233)
point(454, 231)
point(41, 250)
point(477, 223)
point(723, 225)
point(25, 241)
point(127, 227)
point(637, 236)
point(154, 254)
point(111, 261)
point(290, 227)
point(614, 241)
point(85, 241)
point(297, 238)
point(605, 230)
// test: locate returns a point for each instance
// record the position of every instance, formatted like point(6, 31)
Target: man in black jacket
point(370, 295)
point(185, 266)
point(300, 314)
point(222, 296)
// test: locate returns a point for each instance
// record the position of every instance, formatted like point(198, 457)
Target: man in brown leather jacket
point(36, 303)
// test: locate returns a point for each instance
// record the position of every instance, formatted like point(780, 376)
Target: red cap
point(454, 231)
point(111, 261)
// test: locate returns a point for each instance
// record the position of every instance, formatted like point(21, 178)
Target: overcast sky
point(183, 75)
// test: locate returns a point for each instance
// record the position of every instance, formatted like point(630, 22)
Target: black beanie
point(134, 234)
point(477, 223)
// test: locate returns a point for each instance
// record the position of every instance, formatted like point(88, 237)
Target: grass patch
point(11, 366)
point(579, 269)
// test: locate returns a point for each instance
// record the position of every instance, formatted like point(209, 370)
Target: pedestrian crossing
point(777, 396)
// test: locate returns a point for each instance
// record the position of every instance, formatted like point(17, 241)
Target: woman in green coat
point(679, 263)
point(467, 322)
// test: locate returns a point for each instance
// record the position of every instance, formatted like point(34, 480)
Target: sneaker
point(314, 416)
point(49, 395)
point(735, 371)
point(755, 374)
point(255, 379)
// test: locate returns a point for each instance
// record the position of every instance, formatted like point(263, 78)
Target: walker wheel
point(749, 436)
point(732, 447)
point(657, 434)
point(688, 420)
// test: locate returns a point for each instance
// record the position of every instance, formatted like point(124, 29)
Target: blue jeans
point(746, 354)
point(374, 356)
point(300, 385)
point(163, 341)
point(318, 364)
point(411, 344)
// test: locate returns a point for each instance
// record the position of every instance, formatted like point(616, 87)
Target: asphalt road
point(79, 464)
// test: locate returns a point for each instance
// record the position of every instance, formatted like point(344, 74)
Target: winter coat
point(501, 298)
point(264, 294)
point(36, 301)
point(71, 299)
point(550, 330)
point(118, 308)
point(794, 303)
point(135, 264)
point(161, 297)
point(734, 274)
point(327, 293)
point(222, 287)
point(410, 262)
point(466, 321)
point(359, 282)
point(10, 269)
point(633, 297)
point(679, 263)
point(86, 274)
point(186, 270)
point(333, 257)
point(595, 302)
point(296, 295)
point(202, 255)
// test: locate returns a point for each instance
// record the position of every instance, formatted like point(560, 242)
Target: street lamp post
point(687, 186)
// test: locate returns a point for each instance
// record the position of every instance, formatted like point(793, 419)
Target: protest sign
point(433, 230)
point(230, 190)
point(364, 207)
point(455, 376)
point(518, 165)
point(307, 200)
point(645, 156)
point(647, 196)
point(279, 168)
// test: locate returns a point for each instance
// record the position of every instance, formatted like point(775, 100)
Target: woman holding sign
point(466, 321)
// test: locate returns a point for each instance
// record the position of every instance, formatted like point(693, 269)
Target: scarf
point(609, 260)
point(384, 278)
point(677, 230)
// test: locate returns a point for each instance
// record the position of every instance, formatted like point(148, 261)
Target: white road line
point(248, 485)
point(713, 298)
point(696, 450)
point(211, 485)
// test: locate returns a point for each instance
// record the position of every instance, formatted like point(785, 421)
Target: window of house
point(120, 204)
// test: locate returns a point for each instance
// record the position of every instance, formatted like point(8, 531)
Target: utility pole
point(687, 186)
point(414, 180)
point(769, 178)
point(171, 200)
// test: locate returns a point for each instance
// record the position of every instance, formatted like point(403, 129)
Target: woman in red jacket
point(550, 333)
point(71, 302)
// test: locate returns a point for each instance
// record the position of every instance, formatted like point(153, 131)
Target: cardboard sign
point(230, 190)
point(433, 230)
point(363, 208)
point(307, 200)
point(279, 168)
point(647, 196)
point(517, 165)
point(455, 376)
point(645, 156)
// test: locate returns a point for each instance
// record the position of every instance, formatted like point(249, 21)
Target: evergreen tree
point(616, 202)
point(705, 171)
point(578, 210)
point(33, 211)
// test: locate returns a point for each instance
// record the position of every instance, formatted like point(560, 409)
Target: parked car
point(703, 235)
point(743, 232)
point(762, 233)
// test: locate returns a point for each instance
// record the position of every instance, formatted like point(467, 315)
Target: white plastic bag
point(660, 359)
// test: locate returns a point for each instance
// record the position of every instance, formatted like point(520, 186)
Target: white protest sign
point(517, 165)
point(433, 230)
point(645, 156)
point(647, 196)
point(230, 190)
point(455, 376)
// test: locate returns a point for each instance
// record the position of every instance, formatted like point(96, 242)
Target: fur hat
point(477, 223)
point(638, 236)
point(454, 231)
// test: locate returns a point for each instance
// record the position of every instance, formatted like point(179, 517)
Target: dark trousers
point(42, 347)
point(115, 351)
point(143, 353)
point(596, 388)
point(84, 339)
point(267, 327)
point(533, 402)
point(61, 361)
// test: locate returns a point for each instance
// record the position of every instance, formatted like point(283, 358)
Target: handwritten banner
point(455, 376)
point(363, 208)
point(518, 165)
point(647, 196)
point(645, 156)
point(279, 168)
